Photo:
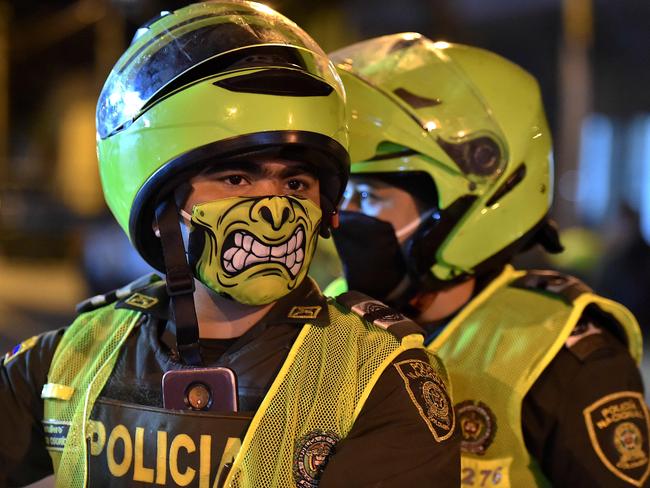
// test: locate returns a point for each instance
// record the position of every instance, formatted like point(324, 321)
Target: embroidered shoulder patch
point(311, 455)
point(478, 426)
point(429, 395)
point(17, 350)
point(618, 427)
point(304, 312)
point(141, 301)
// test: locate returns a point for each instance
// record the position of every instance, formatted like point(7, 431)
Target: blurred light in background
point(641, 130)
point(595, 158)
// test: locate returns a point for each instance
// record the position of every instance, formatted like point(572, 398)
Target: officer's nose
point(275, 210)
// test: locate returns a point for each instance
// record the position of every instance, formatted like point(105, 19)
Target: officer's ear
point(334, 220)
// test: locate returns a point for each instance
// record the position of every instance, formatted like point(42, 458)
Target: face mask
point(254, 250)
point(372, 257)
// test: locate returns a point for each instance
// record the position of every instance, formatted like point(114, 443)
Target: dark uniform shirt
point(390, 443)
point(594, 365)
point(556, 429)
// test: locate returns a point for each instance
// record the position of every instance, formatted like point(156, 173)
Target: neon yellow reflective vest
point(308, 396)
point(495, 349)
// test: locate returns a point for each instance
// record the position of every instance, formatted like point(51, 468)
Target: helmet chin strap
point(180, 282)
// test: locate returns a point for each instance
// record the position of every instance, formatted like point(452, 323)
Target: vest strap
point(567, 287)
point(180, 282)
point(57, 391)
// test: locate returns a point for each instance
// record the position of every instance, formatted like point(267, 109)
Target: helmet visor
point(197, 42)
point(417, 74)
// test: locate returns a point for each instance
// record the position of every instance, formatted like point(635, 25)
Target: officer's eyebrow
point(257, 168)
point(369, 181)
point(296, 168)
point(244, 166)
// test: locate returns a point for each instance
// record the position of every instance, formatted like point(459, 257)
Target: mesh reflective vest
point(320, 389)
point(494, 350)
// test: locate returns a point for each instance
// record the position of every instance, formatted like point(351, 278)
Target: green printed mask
point(255, 250)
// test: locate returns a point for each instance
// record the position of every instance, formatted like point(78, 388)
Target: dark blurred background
point(58, 243)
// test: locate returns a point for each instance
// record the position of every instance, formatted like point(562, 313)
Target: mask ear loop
point(185, 228)
point(185, 214)
point(409, 228)
point(180, 283)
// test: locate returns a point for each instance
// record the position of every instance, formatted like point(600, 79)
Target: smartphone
point(200, 389)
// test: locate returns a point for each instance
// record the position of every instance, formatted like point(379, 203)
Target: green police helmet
point(210, 82)
point(471, 120)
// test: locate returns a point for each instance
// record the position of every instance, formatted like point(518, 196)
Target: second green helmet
point(472, 121)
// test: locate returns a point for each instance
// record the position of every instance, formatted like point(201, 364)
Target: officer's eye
point(367, 195)
point(295, 184)
point(234, 180)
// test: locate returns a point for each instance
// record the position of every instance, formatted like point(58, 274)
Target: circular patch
point(628, 441)
point(311, 455)
point(436, 401)
point(478, 426)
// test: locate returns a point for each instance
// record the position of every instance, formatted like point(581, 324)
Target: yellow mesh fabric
point(494, 352)
point(321, 387)
point(83, 361)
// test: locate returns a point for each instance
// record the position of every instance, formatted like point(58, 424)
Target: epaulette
point(98, 301)
point(379, 314)
point(567, 287)
point(596, 330)
point(585, 339)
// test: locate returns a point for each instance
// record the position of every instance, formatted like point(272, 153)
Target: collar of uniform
point(151, 300)
point(304, 304)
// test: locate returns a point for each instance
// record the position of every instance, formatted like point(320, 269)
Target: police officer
point(451, 177)
point(221, 137)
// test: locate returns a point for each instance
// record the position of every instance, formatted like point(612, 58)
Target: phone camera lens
point(198, 396)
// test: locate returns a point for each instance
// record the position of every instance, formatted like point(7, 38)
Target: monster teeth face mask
point(255, 250)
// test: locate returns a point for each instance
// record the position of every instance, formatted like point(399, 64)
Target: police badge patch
point(429, 394)
point(618, 427)
point(478, 426)
point(312, 452)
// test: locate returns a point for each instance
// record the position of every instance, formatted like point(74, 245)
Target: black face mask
point(372, 258)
